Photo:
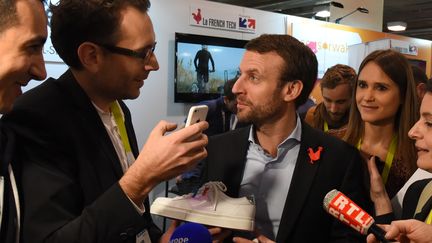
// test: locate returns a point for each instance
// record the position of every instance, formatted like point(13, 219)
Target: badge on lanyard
point(143, 237)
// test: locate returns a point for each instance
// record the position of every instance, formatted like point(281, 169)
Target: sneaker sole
point(202, 217)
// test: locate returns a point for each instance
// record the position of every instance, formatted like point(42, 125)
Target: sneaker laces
point(213, 186)
point(216, 187)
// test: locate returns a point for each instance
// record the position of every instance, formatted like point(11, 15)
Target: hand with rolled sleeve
point(406, 231)
point(163, 157)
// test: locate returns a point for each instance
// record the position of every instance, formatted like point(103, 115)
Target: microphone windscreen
point(346, 211)
point(191, 233)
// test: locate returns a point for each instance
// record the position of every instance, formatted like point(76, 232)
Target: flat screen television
point(195, 79)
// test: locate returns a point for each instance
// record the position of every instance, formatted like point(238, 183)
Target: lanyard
point(326, 126)
point(429, 218)
point(119, 120)
point(389, 158)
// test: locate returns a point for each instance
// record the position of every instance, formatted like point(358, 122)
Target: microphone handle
point(378, 233)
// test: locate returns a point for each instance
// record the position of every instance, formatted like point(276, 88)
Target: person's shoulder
point(329, 142)
point(213, 104)
point(412, 197)
point(42, 94)
point(417, 187)
point(310, 115)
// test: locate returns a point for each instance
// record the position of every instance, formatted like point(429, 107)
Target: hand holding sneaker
point(210, 206)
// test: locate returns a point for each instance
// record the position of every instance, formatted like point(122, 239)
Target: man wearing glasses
point(83, 178)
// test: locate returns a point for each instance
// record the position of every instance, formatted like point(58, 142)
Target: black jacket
point(303, 218)
point(70, 169)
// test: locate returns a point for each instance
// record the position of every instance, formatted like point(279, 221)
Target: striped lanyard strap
point(119, 120)
point(326, 126)
point(389, 158)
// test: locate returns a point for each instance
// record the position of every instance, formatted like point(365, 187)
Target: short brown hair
point(8, 16)
point(76, 21)
point(300, 62)
point(338, 74)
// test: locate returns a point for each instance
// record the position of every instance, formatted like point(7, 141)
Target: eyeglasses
point(144, 54)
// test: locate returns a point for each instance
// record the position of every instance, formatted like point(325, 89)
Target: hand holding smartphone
point(196, 114)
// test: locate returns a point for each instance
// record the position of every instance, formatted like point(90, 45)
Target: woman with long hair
point(385, 107)
point(417, 203)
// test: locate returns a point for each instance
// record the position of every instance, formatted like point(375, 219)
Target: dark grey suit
point(303, 218)
point(70, 170)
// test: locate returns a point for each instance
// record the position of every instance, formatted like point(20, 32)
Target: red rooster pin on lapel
point(314, 156)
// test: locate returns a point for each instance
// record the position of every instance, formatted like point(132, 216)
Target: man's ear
point(292, 90)
point(226, 100)
point(90, 56)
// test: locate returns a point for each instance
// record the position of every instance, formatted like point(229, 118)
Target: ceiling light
point(396, 26)
point(323, 14)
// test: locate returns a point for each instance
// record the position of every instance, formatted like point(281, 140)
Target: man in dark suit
point(81, 175)
point(22, 35)
point(288, 166)
point(222, 111)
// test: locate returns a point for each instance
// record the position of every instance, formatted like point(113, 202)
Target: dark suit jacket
point(411, 199)
point(70, 170)
point(8, 215)
point(215, 116)
point(303, 218)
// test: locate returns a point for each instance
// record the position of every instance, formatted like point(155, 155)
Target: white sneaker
point(210, 206)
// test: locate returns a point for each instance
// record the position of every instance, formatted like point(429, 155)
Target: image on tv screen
point(203, 67)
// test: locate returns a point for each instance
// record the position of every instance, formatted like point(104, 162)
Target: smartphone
point(196, 114)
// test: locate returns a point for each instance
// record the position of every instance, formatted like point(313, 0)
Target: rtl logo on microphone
point(347, 211)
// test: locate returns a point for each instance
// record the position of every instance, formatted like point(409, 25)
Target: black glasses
point(144, 54)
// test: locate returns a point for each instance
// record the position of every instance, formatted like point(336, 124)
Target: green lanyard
point(429, 218)
point(119, 120)
point(389, 158)
point(326, 126)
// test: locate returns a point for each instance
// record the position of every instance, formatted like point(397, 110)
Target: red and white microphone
point(345, 210)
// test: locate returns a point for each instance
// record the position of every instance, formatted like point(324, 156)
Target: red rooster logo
point(314, 156)
point(197, 16)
